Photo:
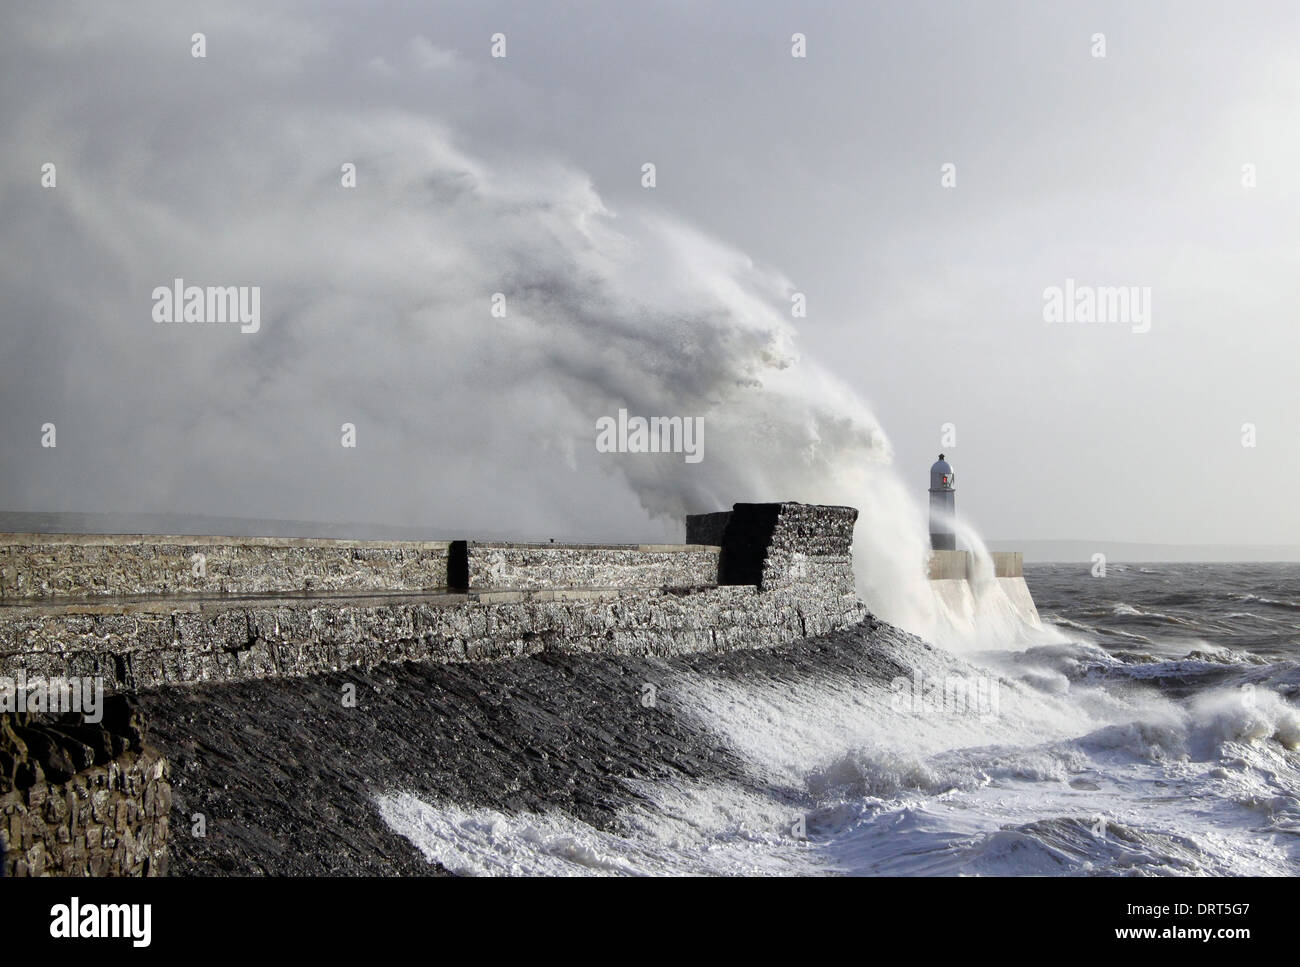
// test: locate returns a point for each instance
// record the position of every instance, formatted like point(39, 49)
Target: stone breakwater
point(781, 572)
point(955, 579)
point(288, 777)
point(545, 566)
point(52, 567)
point(183, 622)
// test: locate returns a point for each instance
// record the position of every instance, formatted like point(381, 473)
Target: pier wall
point(284, 608)
point(957, 584)
point(535, 566)
point(266, 620)
point(45, 567)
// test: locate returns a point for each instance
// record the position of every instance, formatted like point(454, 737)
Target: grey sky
point(478, 175)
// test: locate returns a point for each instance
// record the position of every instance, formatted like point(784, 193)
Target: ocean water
point(1148, 726)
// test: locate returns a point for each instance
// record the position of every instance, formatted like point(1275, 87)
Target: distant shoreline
point(1132, 552)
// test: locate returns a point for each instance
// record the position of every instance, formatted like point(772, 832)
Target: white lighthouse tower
point(943, 506)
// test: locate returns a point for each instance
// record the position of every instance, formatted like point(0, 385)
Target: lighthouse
point(943, 506)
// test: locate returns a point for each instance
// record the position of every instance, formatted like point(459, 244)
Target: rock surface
point(286, 775)
point(81, 799)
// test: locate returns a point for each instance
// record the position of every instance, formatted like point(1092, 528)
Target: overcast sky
point(775, 175)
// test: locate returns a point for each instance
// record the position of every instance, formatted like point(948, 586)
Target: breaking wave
point(1092, 762)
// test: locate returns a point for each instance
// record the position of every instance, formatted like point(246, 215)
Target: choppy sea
point(1149, 726)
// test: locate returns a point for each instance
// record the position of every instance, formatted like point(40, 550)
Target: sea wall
point(293, 782)
point(793, 546)
point(960, 565)
point(241, 672)
point(231, 641)
point(533, 566)
point(957, 586)
point(154, 617)
point(58, 566)
point(782, 572)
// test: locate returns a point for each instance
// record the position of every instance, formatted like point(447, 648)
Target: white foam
point(685, 829)
point(1082, 768)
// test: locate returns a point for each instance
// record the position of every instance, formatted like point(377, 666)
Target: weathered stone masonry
point(137, 612)
point(81, 800)
point(781, 572)
point(55, 566)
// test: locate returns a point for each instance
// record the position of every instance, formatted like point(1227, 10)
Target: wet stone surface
point(286, 774)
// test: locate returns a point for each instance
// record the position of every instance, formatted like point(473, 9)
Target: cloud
point(376, 310)
point(429, 57)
